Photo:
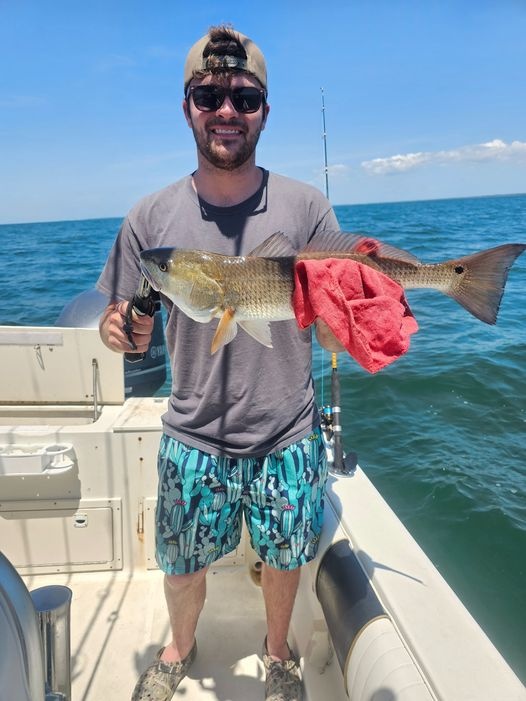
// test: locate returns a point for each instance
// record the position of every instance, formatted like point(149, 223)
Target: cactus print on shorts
point(202, 499)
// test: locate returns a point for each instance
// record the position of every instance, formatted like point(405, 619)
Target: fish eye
point(459, 269)
point(163, 267)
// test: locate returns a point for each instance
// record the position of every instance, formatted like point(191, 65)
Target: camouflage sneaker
point(283, 680)
point(160, 680)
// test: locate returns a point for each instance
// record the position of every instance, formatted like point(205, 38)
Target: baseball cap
point(254, 62)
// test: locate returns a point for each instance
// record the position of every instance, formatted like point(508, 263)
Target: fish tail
point(482, 279)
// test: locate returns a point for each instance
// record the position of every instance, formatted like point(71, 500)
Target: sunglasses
point(209, 98)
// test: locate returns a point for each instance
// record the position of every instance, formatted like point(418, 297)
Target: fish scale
point(263, 290)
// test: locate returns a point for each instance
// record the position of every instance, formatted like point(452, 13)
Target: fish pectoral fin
point(259, 330)
point(226, 330)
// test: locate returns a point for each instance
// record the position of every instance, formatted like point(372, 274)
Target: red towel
point(366, 310)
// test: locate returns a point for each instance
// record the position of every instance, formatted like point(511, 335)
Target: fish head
point(185, 278)
point(156, 266)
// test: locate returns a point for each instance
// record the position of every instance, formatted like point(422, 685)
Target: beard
point(225, 155)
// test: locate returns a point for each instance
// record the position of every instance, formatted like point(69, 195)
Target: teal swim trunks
point(202, 499)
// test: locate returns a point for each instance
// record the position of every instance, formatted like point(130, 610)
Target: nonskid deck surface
point(118, 623)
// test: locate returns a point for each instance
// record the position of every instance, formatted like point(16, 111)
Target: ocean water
point(441, 432)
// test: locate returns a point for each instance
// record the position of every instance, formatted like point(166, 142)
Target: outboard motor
point(142, 378)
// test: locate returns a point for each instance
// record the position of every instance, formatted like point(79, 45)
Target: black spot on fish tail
point(482, 279)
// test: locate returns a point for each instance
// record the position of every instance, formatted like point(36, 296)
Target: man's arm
point(326, 338)
point(113, 335)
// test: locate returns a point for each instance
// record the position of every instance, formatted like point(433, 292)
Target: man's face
point(226, 138)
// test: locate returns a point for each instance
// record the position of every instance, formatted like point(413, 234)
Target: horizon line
point(353, 204)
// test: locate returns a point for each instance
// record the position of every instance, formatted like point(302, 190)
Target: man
point(241, 431)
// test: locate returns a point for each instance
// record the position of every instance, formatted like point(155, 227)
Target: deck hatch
point(39, 540)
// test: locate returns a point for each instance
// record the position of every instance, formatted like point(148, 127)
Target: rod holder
point(53, 607)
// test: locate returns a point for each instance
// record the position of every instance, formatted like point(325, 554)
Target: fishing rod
point(332, 414)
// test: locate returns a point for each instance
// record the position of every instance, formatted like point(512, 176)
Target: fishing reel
point(143, 303)
point(326, 418)
point(341, 463)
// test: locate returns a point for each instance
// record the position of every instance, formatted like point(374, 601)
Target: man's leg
point(282, 669)
point(185, 597)
point(183, 471)
point(284, 519)
point(279, 591)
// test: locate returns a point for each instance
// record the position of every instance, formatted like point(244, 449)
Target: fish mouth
point(149, 278)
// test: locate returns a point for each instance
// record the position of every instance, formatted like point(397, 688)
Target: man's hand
point(326, 338)
point(113, 335)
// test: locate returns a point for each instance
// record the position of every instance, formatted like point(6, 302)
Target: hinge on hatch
point(140, 518)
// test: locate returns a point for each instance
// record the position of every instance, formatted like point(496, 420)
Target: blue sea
point(441, 432)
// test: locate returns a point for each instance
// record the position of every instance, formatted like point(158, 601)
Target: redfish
point(253, 290)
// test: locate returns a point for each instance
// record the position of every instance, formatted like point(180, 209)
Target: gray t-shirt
point(246, 399)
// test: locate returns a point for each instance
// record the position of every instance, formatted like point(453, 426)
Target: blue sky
point(423, 99)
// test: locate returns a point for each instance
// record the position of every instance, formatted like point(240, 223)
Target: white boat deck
point(119, 622)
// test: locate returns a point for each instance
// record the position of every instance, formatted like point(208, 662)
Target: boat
point(82, 609)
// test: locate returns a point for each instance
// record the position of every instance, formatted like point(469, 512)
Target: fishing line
point(334, 359)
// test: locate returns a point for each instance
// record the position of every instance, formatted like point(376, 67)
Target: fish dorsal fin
point(260, 330)
point(276, 246)
point(356, 243)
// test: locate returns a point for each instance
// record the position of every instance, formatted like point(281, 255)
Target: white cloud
point(337, 170)
point(496, 150)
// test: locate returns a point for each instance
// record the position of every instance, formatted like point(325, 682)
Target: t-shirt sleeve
point(328, 222)
point(122, 272)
